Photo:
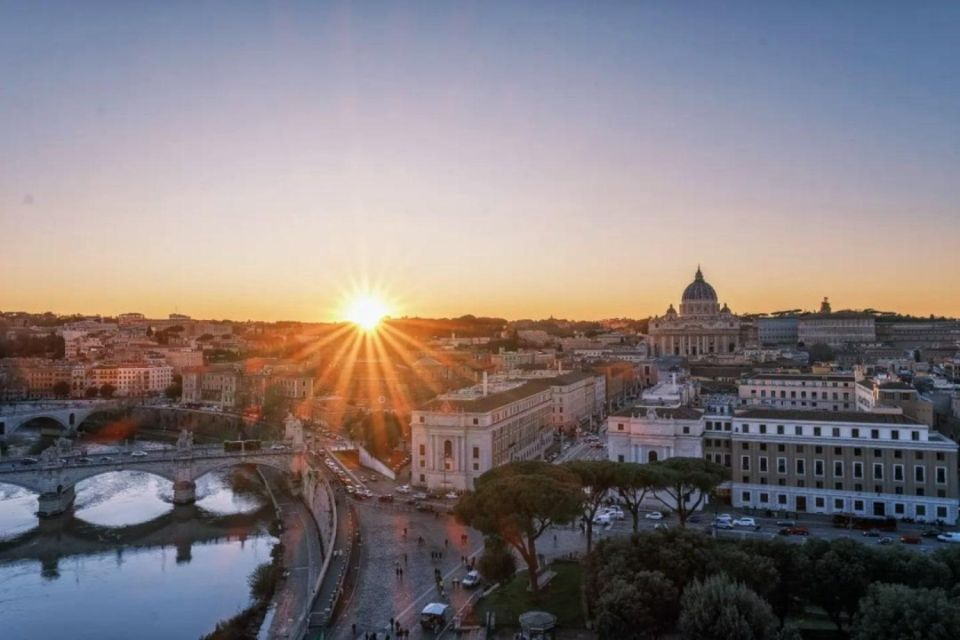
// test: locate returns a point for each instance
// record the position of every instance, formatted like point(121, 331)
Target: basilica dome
point(699, 290)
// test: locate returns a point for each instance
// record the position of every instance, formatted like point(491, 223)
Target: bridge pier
point(54, 503)
point(184, 492)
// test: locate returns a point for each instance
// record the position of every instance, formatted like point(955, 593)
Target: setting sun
point(366, 311)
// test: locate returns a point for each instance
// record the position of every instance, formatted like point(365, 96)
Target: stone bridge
point(68, 414)
point(55, 477)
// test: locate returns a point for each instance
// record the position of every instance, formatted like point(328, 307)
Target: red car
point(794, 531)
point(910, 539)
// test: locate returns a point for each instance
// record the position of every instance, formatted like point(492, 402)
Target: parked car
point(601, 518)
point(745, 521)
point(885, 540)
point(949, 536)
point(139, 454)
point(654, 515)
point(786, 523)
point(615, 512)
point(930, 533)
point(794, 531)
point(910, 539)
point(452, 495)
point(386, 498)
point(404, 488)
point(871, 533)
point(471, 580)
point(420, 495)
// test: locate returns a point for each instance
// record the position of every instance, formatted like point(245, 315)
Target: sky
point(266, 160)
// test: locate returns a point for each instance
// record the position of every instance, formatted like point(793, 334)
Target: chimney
point(485, 388)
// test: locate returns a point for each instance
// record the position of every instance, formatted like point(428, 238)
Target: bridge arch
point(39, 419)
point(200, 470)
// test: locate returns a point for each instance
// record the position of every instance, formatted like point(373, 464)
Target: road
point(303, 556)
point(379, 594)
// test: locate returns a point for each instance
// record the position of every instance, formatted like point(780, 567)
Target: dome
point(699, 290)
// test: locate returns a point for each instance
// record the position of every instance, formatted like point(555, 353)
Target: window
point(799, 448)
point(837, 468)
point(836, 432)
point(763, 464)
point(800, 467)
point(745, 496)
point(423, 449)
point(746, 428)
point(838, 504)
point(940, 456)
point(858, 505)
point(620, 426)
point(854, 433)
point(422, 419)
point(895, 434)
point(921, 511)
point(877, 471)
point(781, 499)
point(858, 451)
point(745, 463)
point(816, 431)
point(476, 465)
point(763, 428)
point(838, 486)
point(447, 449)
point(941, 475)
point(898, 473)
point(818, 449)
point(918, 455)
point(764, 498)
point(941, 513)
point(782, 482)
point(652, 456)
point(898, 509)
point(781, 448)
point(686, 430)
point(476, 452)
point(837, 451)
point(818, 467)
point(919, 473)
point(423, 478)
point(798, 430)
point(619, 459)
point(477, 420)
point(763, 446)
point(744, 445)
point(819, 503)
point(779, 429)
point(781, 465)
point(877, 453)
point(897, 454)
point(914, 435)
point(875, 434)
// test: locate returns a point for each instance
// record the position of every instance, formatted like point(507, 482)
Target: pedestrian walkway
point(337, 571)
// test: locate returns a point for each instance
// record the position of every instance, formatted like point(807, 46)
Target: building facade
point(458, 437)
point(799, 391)
point(864, 464)
point(701, 329)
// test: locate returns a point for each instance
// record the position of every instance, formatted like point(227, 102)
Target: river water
point(128, 563)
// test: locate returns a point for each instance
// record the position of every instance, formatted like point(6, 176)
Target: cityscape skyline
point(494, 160)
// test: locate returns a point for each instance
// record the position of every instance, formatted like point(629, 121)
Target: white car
point(744, 522)
point(277, 447)
point(139, 454)
point(404, 488)
point(601, 518)
point(949, 536)
point(420, 495)
point(452, 495)
point(654, 515)
point(471, 580)
point(616, 512)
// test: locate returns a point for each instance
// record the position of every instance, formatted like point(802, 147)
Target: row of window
point(839, 505)
point(800, 468)
point(837, 451)
point(803, 394)
point(839, 486)
point(835, 432)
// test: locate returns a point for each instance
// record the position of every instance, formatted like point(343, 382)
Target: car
point(615, 512)
point(794, 531)
point(277, 447)
point(905, 539)
point(949, 536)
point(930, 533)
point(871, 533)
point(452, 495)
point(744, 521)
point(724, 516)
point(420, 495)
point(601, 518)
point(654, 515)
point(885, 540)
point(660, 526)
point(139, 454)
point(471, 580)
point(28, 461)
point(404, 488)
point(786, 523)
point(385, 498)
point(423, 506)
point(723, 524)
point(85, 460)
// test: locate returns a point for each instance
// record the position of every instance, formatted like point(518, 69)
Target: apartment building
point(871, 464)
point(830, 392)
point(459, 436)
point(215, 384)
point(574, 398)
point(131, 379)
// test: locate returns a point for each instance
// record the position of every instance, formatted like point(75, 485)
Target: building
point(213, 384)
point(838, 329)
point(894, 396)
point(774, 332)
point(831, 392)
point(131, 379)
point(574, 399)
point(647, 434)
point(866, 464)
point(701, 329)
point(459, 436)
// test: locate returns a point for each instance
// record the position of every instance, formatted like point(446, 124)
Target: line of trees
point(655, 584)
point(516, 503)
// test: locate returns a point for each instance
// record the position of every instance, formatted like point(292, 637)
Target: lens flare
point(366, 311)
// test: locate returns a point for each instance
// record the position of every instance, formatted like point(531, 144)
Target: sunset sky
point(519, 159)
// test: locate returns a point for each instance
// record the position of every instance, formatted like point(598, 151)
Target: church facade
point(702, 328)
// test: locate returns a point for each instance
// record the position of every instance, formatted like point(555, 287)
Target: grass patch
point(561, 598)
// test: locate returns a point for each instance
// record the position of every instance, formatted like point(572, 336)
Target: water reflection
point(127, 563)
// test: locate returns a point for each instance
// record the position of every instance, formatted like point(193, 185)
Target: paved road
point(303, 556)
point(379, 594)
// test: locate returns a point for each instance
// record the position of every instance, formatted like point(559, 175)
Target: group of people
point(398, 632)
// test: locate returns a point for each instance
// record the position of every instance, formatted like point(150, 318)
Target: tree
point(897, 612)
point(634, 481)
point(61, 389)
point(175, 390)
point(644, 606)
point(598, 478)
point(274, 404)
point(497, 563)
point(821, 352)
point(107, 390)
point(518, 502)
point(839, 576)
point(720, 609)
point(379, 431)
point(791, 565)
point(680, 479)
point(91, 392)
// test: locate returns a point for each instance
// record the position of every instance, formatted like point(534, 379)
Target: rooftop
point(839, 377)
point(672, 413)
point(862, 417)
point(472, 400)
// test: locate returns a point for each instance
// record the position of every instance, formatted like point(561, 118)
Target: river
point(127, 563)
